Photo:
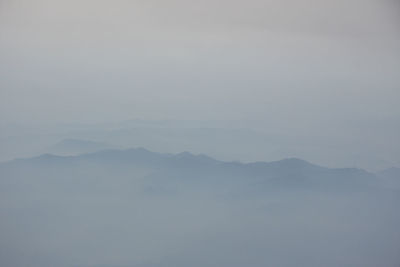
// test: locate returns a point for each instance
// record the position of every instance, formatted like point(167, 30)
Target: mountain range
point(187, 168)
point(137, 208)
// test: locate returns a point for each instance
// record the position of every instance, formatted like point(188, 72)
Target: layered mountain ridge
point(186, 167)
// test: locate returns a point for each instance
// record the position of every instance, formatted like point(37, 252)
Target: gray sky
point(302, 62)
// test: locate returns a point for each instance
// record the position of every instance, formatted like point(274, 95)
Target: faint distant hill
point(68, 147)
point(186, 169)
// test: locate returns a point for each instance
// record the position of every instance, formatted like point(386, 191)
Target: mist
point(306, 69)
point(140, 208)
point(287, 63)
point(221, 133)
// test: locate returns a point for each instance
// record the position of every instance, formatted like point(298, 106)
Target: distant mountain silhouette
point(188, 168)
point(123, 201)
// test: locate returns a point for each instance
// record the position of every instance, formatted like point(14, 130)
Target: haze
point(286, 62)
point(327, 69)
point(159, 133)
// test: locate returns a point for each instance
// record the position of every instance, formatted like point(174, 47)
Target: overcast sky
point(298, 61)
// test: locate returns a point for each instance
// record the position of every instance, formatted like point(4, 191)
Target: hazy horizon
point(316, 69)
point(246, 83)
point(296, 62)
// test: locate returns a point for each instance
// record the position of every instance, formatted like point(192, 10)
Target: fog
point(289, 110)
point(351, 145)
point(139, 208)
point(287, 63)
point(318, 70)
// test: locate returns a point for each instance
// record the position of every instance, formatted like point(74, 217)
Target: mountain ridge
point(131, 155)
point(181, 155)
point(285, 169)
